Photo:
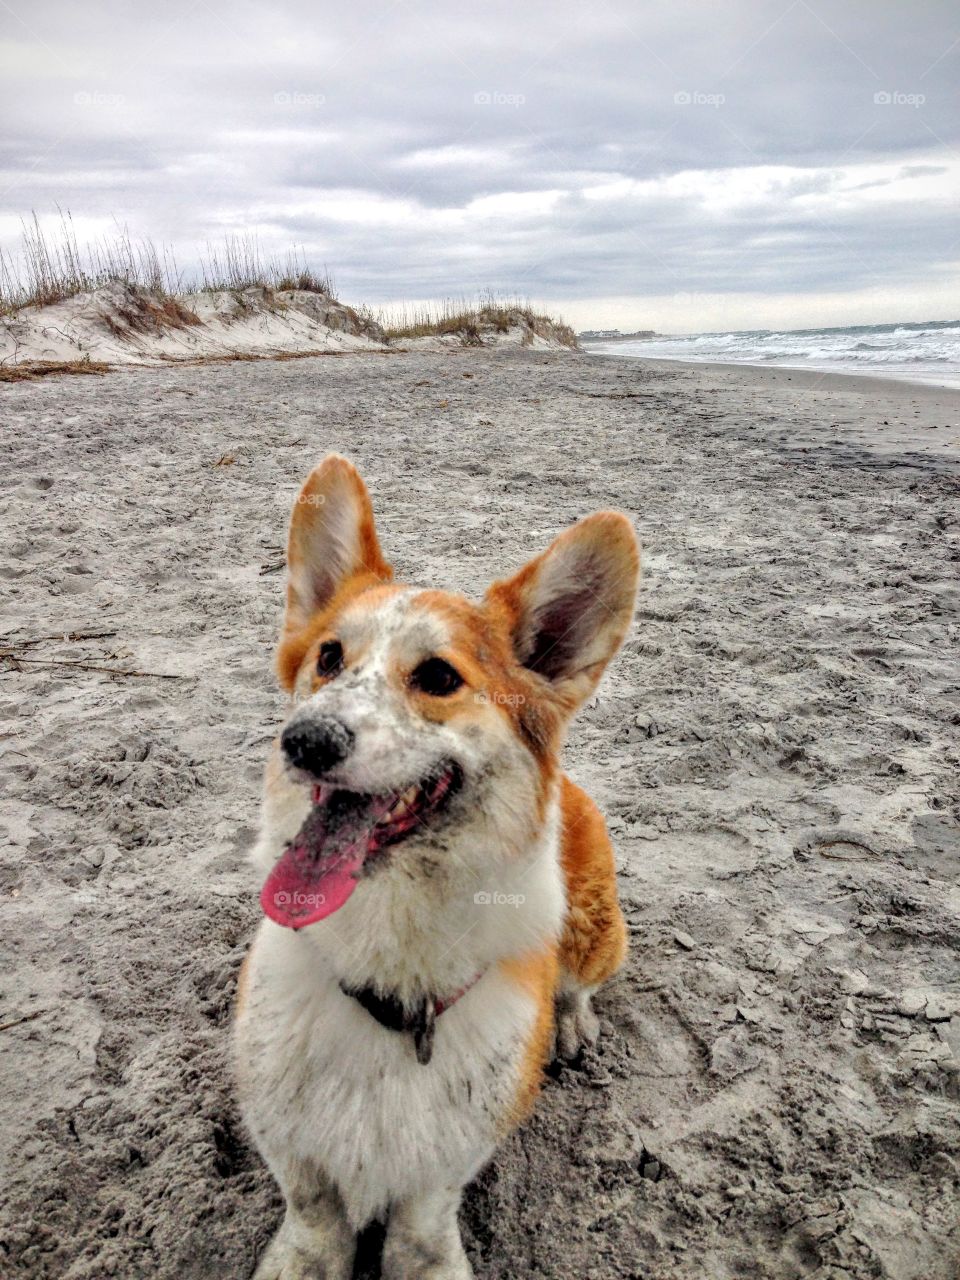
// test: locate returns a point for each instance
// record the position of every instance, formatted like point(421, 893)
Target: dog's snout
point(316, 746)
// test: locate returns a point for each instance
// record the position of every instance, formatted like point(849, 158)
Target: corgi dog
point(440, 899)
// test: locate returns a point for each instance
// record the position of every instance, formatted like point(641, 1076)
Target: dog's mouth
point(344, 833)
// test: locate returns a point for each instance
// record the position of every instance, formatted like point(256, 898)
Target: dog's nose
point(316, 745)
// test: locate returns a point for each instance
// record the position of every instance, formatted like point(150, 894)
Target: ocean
point(927, 353)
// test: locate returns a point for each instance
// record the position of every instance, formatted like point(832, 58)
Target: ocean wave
point(914, 350)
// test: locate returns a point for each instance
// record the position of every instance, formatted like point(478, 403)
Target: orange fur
point(330, 488)
point(594, 942)
point(332, 475)
point(593, 945)
point(536, 974)
point(481, 651)
point(601, 540)
point(297, 643)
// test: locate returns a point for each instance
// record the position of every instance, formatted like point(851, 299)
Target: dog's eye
point(436, 677)
point(330, 658)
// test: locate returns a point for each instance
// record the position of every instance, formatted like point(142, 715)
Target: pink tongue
point(310, 883)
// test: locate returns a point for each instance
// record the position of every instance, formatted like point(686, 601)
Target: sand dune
point(775, 1093)
point(125, 324)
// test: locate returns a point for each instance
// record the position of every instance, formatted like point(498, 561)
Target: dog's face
point(425, 729)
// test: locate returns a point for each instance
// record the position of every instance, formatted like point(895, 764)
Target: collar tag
point(420, 1021)
point(424, 1024)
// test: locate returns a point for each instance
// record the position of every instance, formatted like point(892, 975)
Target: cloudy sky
point(685, 165)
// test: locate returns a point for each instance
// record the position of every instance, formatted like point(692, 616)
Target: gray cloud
point(574, 153)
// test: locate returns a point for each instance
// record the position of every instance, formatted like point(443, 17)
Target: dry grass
point(145, 314)
point(239, 264)
point(31, 370)
point(52, 266)
point(469, 321)
point(230, 357)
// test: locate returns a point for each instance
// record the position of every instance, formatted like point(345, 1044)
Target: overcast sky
point(678, 165)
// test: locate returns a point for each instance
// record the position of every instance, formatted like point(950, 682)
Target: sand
point(775, 1093)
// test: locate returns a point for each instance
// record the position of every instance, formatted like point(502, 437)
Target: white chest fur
point(323, 1083)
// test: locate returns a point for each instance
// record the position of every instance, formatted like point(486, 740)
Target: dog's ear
point(332, 538)
point(568, 610)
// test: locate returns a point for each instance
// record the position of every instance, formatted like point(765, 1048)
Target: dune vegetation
point(53, 266)
point(463, 318)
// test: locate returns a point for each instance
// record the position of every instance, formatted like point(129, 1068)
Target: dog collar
point(419, 1020)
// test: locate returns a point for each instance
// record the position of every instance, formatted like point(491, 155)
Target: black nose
point(316, 745)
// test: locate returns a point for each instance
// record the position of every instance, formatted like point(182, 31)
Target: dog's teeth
point(399, 809)
point(402, 806)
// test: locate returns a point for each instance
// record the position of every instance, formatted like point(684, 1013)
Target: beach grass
point(465, 318)
point(239, 263)
point(52, 265)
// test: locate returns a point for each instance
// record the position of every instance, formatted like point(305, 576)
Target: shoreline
point(882, 415)
point(816, 375)
point(806, 379)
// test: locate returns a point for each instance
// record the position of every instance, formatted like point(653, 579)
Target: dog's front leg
point(315, 1240)
point(423, 1239)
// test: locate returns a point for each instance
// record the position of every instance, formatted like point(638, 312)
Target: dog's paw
point(424, 1264)
point(291, 1264)
point(578, 1028)
point(283, 1260)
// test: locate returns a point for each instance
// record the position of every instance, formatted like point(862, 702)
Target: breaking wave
point(915, 352)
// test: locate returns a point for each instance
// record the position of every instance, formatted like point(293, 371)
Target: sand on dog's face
point(775, 1092)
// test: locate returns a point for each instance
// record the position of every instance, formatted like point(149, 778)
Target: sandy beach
point(775, 1091)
